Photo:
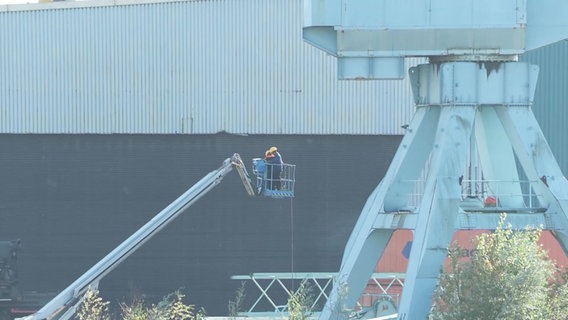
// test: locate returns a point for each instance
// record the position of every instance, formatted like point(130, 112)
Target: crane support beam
point(371, 38)
point(62, 306)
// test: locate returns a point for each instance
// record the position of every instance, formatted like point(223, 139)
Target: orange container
point(395, 257)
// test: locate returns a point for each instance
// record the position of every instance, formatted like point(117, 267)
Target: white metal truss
point(320, 283)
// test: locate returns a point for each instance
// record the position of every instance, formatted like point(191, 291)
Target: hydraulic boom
point(64, 305)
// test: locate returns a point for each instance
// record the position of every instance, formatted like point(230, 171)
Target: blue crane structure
point(473, 148)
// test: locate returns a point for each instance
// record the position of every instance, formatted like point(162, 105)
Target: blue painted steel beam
point(370, 38)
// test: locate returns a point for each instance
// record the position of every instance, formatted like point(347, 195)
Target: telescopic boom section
point(64, 305)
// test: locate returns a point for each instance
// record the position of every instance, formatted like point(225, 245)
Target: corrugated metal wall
point(239, 66)
point(551, 96)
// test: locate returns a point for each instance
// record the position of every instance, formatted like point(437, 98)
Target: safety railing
point(280, 176)
point(487, 194)
point(274, 180)
point(274, 289)
point(502, 193)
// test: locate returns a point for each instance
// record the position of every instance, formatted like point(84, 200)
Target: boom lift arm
point(64, 305)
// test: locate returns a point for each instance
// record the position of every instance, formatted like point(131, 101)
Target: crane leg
point(466, 111)
point(449, 130)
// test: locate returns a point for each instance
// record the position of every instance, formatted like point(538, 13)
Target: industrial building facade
point(109, 110)
point(181, 67)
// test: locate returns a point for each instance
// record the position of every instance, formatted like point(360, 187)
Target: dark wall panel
point(72, 198)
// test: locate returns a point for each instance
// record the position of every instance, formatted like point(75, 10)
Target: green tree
point(509, 277)
point(557, 305)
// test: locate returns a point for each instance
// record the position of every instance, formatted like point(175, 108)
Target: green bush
point(509, 277)
point(172, 307)
point(300, 302)
point(93, 307)
point(236, 305)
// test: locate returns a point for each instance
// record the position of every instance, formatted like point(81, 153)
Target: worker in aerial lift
point(274, 163)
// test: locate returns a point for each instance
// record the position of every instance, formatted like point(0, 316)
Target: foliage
point(300, 302)
point(509, 277)
point(135, 310)
point(171, 307)
point(557, 305)
point(235, 305)
point(93, 307)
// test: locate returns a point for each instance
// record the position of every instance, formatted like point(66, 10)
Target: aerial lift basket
point(267, 182)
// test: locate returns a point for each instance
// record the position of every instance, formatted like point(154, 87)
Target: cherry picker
point(65, 304)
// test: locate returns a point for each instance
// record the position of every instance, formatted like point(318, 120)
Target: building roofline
point(79, 4)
